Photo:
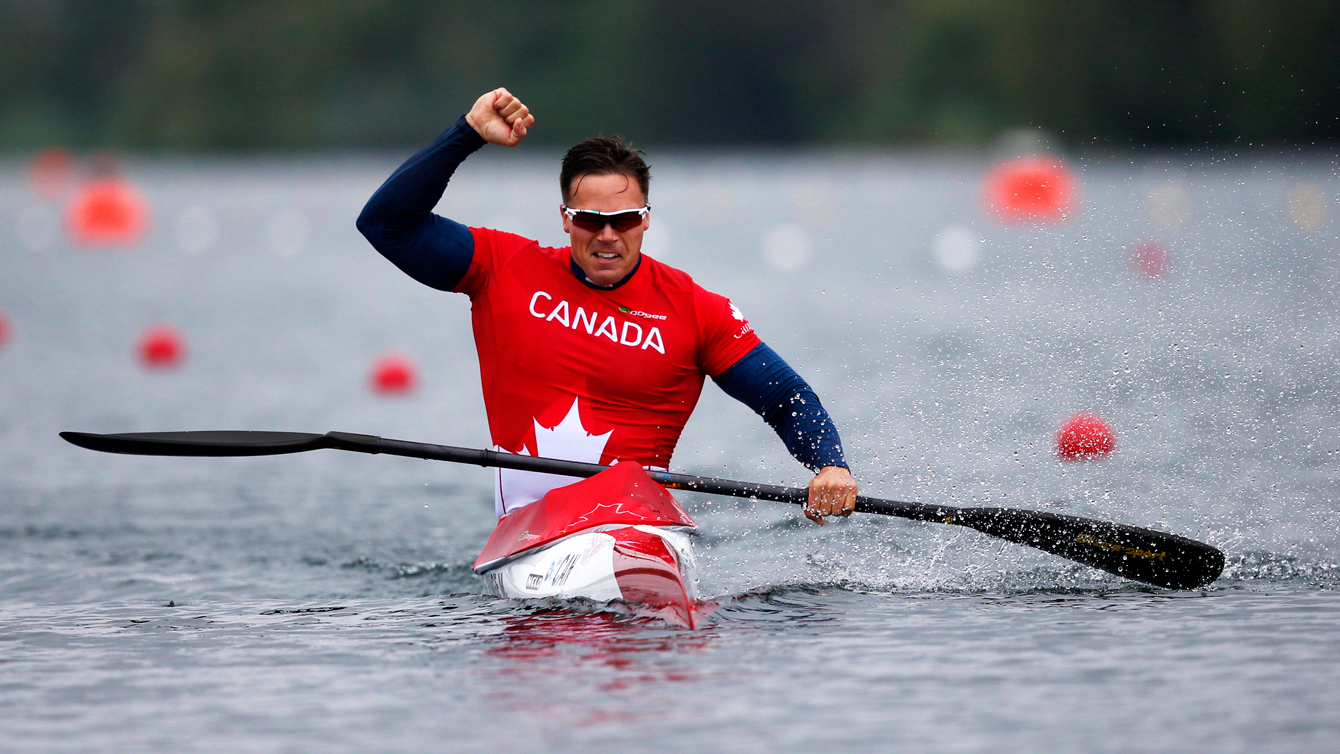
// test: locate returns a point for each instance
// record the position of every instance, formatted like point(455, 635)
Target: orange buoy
point(1034, 189)
point(1084, 437)
point(107, 211)
point(1150, 259)
point(161, 347)
point(50, 173)
point(393, 374)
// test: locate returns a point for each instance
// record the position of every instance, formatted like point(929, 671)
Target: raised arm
point(765, 383)
point(398, 220)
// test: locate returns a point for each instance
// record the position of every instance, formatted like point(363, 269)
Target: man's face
point(606, 256)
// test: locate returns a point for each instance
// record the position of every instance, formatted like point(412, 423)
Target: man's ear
point(565, 217)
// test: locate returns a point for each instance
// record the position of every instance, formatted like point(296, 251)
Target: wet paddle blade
point(208, 443)
point(1152, 557)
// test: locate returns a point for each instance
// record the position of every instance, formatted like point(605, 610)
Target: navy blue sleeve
point(768, 385)
point(399, 222)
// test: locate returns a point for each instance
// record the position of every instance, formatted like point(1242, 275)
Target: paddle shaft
point(688, 482)
point(1153, 557)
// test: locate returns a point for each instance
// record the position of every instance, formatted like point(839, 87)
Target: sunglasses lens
point(625, 221)
point(594, 223)
point(588, 221)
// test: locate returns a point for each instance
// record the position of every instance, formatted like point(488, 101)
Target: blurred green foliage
point(247, 74)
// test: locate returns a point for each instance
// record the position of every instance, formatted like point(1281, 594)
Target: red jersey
point(588, 374)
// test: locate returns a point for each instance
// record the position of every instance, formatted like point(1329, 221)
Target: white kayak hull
point(615, 536)
point(647, 565)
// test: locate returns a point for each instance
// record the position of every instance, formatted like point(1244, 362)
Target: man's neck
point(588, 282)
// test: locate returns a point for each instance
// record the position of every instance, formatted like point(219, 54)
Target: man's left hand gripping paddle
point(832, 493)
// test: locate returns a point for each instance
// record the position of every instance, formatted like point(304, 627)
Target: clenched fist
point(500, 118)
point(832, 493)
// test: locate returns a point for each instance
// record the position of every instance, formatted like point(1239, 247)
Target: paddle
point(1153, 557)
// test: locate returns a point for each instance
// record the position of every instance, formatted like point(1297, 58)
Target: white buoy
point(956, 249)
point(712, 204)
point(786, 248)
point(1308, 206)
point(196, 229)
point(1169, 205)
point(815, 202)
point(287, 231)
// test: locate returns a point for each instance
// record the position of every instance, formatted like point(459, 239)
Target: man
point(593, 352)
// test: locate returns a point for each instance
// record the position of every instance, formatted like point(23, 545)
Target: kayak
point(615, 536)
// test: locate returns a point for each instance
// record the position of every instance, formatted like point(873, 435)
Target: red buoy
point(393, 374)
point(4, 329)
point(1033, 189)
point(1150, 259)
point(107, 212)
point(1084, 437)
point(50, 172)
point(161, 347)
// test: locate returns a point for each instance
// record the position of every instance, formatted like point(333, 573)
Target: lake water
point(324, 602)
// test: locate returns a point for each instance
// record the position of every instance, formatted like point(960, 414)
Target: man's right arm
point(399, 222)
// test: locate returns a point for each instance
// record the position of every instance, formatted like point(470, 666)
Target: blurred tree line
point(253, 74)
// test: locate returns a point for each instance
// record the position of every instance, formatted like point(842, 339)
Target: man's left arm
point(765, 383)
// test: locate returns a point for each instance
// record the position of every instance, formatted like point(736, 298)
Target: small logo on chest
point(636, 313)
point(625, 333)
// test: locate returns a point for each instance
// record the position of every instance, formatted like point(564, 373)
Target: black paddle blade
point(1153, 557)
point(213, 444)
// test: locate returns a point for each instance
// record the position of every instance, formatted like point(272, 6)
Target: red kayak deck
point(622, 494)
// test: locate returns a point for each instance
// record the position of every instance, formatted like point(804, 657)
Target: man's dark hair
point(604, 155)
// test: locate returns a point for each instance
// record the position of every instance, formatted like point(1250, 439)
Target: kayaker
point(592, 352)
